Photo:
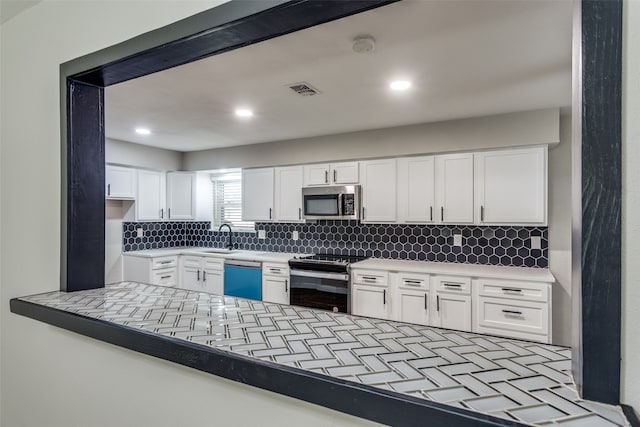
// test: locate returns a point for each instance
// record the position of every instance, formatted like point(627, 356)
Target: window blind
point(227, 200)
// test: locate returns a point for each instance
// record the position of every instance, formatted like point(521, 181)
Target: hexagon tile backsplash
point(506, 246)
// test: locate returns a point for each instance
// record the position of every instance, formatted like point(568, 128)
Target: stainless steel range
point(322, 281)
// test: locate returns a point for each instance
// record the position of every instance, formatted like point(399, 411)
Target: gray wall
point(142, 156)
point(48, 376)
point(560, 231)
point(631, 206)
point(505, 130)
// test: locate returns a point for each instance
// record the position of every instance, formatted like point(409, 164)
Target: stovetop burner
point(325, 262)
point(340, 259)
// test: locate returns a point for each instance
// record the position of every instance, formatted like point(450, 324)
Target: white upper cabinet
point(416, 190)
point(181, 195)
point(316, 174)
point(257, 194)
point(378, 191)
point(511, 186)
point(345, 173)
point(288, 194)
point(120, 183)
point(454, 188)
point(331, 174)
point(150, 203)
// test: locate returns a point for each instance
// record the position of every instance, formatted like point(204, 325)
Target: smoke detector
point(364, 44)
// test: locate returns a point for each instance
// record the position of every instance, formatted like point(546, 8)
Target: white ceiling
point(465, 59)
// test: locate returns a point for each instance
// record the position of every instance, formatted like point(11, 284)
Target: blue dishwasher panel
point(243, 282)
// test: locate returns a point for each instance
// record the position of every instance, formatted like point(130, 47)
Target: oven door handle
point(319, 275)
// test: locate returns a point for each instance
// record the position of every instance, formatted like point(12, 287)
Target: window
point(227, 200)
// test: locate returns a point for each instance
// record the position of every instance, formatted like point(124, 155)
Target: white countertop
point(450, 268)
point(200, 251)
point(471, 270)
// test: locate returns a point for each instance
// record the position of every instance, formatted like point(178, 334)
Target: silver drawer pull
point(512, 312)
point(166, 262)
point(275, 270)
point(165, 277)
point(511, 290)
point(452, 285)
point(369, 278)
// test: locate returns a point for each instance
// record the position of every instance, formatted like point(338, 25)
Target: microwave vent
point(304, 89)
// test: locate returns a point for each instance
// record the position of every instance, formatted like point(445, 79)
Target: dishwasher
point(243, 279)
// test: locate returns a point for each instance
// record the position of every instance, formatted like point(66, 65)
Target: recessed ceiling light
point(143, 131)
point(400, 85)
point(243, 112)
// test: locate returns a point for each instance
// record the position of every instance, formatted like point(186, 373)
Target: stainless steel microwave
point(335, 202)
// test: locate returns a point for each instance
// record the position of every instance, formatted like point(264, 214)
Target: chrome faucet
point(230, 244)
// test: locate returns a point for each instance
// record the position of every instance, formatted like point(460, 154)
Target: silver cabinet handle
point(441, 213)
point(108, 189)
point(511, 290)
point(384, 296)
point(513, 312)
point(326, 177)
point(286, 286)
point(299, 213)
point(425, 302)
point(438, 303)
point(412, 281)
point(270, 212)
point(481, 213)
point(164, 277)
point(335, 175)
point(204, 275)
point(161, 213)
point(166, 262)
point(274, 270)
point(363, 212)
point(369, 278)
point(169, 213)
point(430, 213)
point(198, 275)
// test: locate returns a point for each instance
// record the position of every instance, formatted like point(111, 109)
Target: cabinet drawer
point(192, 261)
point(164, 262)
point(213, 263)
point(413, 281)
point(453, 284)
point(513, 315)
point(165, 277)
point(273, 269)
point(513, 290)
point(371, 277)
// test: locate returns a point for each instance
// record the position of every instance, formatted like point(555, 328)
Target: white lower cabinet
point(453, 302)
point(161, 270)
point(202, 274)
point(275, 283)
point(510, 308)
point(412, 298)
point(370, 294)
point(371, 301)
point(513, 309)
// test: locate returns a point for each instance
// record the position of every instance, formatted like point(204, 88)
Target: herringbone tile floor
point(512, 379)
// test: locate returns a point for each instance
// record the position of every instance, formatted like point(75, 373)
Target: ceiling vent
point(304, 89)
